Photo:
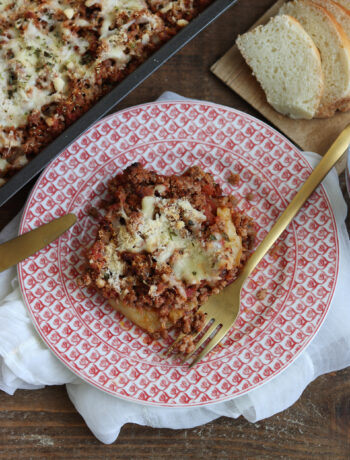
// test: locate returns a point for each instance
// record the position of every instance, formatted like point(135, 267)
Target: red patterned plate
point(104, 348)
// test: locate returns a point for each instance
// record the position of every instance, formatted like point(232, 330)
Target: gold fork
point(222, 309)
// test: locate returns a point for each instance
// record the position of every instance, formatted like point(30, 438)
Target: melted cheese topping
point(115, 264)
point(43, 51)
point(109, 9)
point(171, 230)
point(37, 71)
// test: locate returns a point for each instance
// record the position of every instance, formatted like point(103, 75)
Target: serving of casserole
point(165, 245)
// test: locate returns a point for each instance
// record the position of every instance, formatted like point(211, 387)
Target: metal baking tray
point(106, 103)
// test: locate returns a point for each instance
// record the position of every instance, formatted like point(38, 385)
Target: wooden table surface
point(44, 423)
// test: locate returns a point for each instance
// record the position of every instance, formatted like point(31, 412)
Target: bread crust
point(330, 5)
point(345, 4)
point(328, 110)
point(316, 50)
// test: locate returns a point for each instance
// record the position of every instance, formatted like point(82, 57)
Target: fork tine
point(202, 340)
point(207, 320)
point(181, 336)
point(214, 341)
point(170, 349)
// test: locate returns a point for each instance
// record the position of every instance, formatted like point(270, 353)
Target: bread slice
point(342, 16)
point(334, 47)
point(287, 65)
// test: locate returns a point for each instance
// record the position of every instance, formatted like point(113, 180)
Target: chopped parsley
point(171, 234)
point(225, 236)
point(107, 275)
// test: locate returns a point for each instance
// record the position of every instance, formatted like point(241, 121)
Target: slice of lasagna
point(165, 245)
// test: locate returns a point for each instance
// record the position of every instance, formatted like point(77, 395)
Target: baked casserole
point(58, 57)
point(165, 244)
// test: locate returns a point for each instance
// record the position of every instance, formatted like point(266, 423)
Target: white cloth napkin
point(25, 362)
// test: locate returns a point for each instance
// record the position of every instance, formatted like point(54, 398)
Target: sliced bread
point(342, 16)
point(287, 65)
point(334, 47)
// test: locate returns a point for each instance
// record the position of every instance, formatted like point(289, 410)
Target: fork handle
point(325, 165)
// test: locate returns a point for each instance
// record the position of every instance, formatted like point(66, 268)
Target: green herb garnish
point(226, 238)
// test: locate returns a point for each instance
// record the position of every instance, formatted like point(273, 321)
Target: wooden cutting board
point(314, 135)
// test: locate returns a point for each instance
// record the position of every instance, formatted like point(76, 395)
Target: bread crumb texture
point(287, 65)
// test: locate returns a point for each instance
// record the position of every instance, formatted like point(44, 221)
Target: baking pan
point(106, 103)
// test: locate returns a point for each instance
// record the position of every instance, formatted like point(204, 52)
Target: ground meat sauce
point(165, 244)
